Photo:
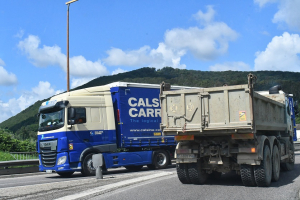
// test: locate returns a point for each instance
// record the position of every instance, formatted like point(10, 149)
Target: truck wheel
point(65, 174)
point(134, 167)
point(87, 168)
point(247, 175)
point(182, 173)
point(263, 172)
point(288, 166)
point(196, 174)
point(275, 164)
point(161, 159)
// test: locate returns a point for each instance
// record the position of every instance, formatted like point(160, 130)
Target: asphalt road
point(145, 184)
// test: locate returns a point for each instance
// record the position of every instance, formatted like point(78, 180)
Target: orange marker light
point(71, 146)
point(253, 150)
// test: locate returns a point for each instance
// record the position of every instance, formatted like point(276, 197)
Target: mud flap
point(248, 159)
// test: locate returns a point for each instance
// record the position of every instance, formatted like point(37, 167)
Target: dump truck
point(119, 120)
point(229, 128)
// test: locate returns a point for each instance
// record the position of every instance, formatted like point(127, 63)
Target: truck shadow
point(110, 172)
point(233, 179)
point(227, 179)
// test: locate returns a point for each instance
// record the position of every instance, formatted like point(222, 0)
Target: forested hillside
point(24, 125)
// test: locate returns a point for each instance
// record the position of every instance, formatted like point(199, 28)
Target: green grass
point(4, 156)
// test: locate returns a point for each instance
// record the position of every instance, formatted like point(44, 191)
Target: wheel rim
point(90, 165)
point(161, 159)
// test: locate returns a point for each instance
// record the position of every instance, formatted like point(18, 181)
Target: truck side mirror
point(71, 117)
point(71, 122)
point(71, 113)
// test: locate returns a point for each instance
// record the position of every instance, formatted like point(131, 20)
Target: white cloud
point(52, 56)
point(14, 106)
point(6, 78)
point(2, 63)
point(265, 33)
point(75, 82)
point(145, 56)
point(166, 56)
point(288, 12)
point(282, 53)
point(205, 18)
point(42, 57)
point(118, 71)
point(130, 58)
point(80, 67)
point(19, 34)
point(44, 90)
point(262, 3)
point(233, 66)
point(205, 43)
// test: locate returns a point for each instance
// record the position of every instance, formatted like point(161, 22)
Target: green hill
point(25, 124)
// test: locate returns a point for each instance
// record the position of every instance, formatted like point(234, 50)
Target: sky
point(108, 37)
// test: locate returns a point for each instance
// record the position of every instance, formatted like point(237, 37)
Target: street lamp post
point(68, 73)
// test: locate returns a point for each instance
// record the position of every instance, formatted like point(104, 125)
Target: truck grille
point(48, 153)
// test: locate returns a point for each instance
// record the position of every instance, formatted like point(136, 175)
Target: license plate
point(48, 171)
point(46, 144)
point(186, 156)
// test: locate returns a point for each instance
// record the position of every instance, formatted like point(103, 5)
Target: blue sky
point(113, 36)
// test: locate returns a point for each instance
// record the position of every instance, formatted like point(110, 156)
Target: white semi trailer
point(227, 128)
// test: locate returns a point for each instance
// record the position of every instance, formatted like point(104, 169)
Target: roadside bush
point(10, 144)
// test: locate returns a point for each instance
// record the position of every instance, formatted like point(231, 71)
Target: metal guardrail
point(9, 167)
point(24, 155)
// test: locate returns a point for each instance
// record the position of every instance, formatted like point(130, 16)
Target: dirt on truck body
point(227, 128)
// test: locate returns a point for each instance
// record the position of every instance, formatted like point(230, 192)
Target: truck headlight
point(61, 160)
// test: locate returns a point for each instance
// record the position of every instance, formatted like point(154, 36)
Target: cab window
point(80, 115)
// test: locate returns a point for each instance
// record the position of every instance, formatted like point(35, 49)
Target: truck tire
point(275, 164)
point(288, 166)
point(263, 172)
point(182, 173)
point(65, 174)
point(196, 174)
point(247, 175)
point(134, 167)
point(161, 159)
point(87, 168)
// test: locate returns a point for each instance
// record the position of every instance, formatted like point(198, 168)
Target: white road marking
point(114, 185)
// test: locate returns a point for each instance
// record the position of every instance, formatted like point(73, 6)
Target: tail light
point(118, 115)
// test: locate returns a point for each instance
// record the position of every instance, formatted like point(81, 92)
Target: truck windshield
point(51, 120)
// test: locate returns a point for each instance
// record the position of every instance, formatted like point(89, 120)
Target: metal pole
point(68, 76)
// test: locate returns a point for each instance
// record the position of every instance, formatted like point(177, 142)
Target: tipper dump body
point(221, 111)
point(220, 129)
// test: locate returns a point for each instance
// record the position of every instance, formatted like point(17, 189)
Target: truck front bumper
point(62, 164)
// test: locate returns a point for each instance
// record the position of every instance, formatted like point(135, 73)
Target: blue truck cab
point(120, 120)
